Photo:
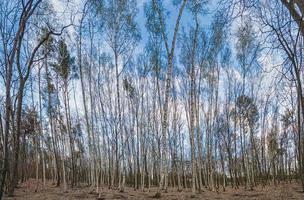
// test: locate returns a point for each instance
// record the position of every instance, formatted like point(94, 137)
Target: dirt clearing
point(280, 192)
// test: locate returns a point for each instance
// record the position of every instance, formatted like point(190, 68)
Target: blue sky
point(75, 6)
point(186, 20)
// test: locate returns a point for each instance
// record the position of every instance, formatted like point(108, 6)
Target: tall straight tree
point(63, 69)
point(24, 13)
point(157, 6)
point(122, 35)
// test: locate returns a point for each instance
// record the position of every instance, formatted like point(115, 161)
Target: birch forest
point(141, 99)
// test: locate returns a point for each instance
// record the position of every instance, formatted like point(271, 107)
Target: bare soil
point(30, 191)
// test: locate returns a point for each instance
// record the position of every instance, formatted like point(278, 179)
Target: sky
point(65, 8)
point(74, 8)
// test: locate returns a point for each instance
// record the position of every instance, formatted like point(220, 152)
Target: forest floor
point(283, 191)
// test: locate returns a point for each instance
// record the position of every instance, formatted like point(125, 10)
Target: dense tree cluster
point(175, 103)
